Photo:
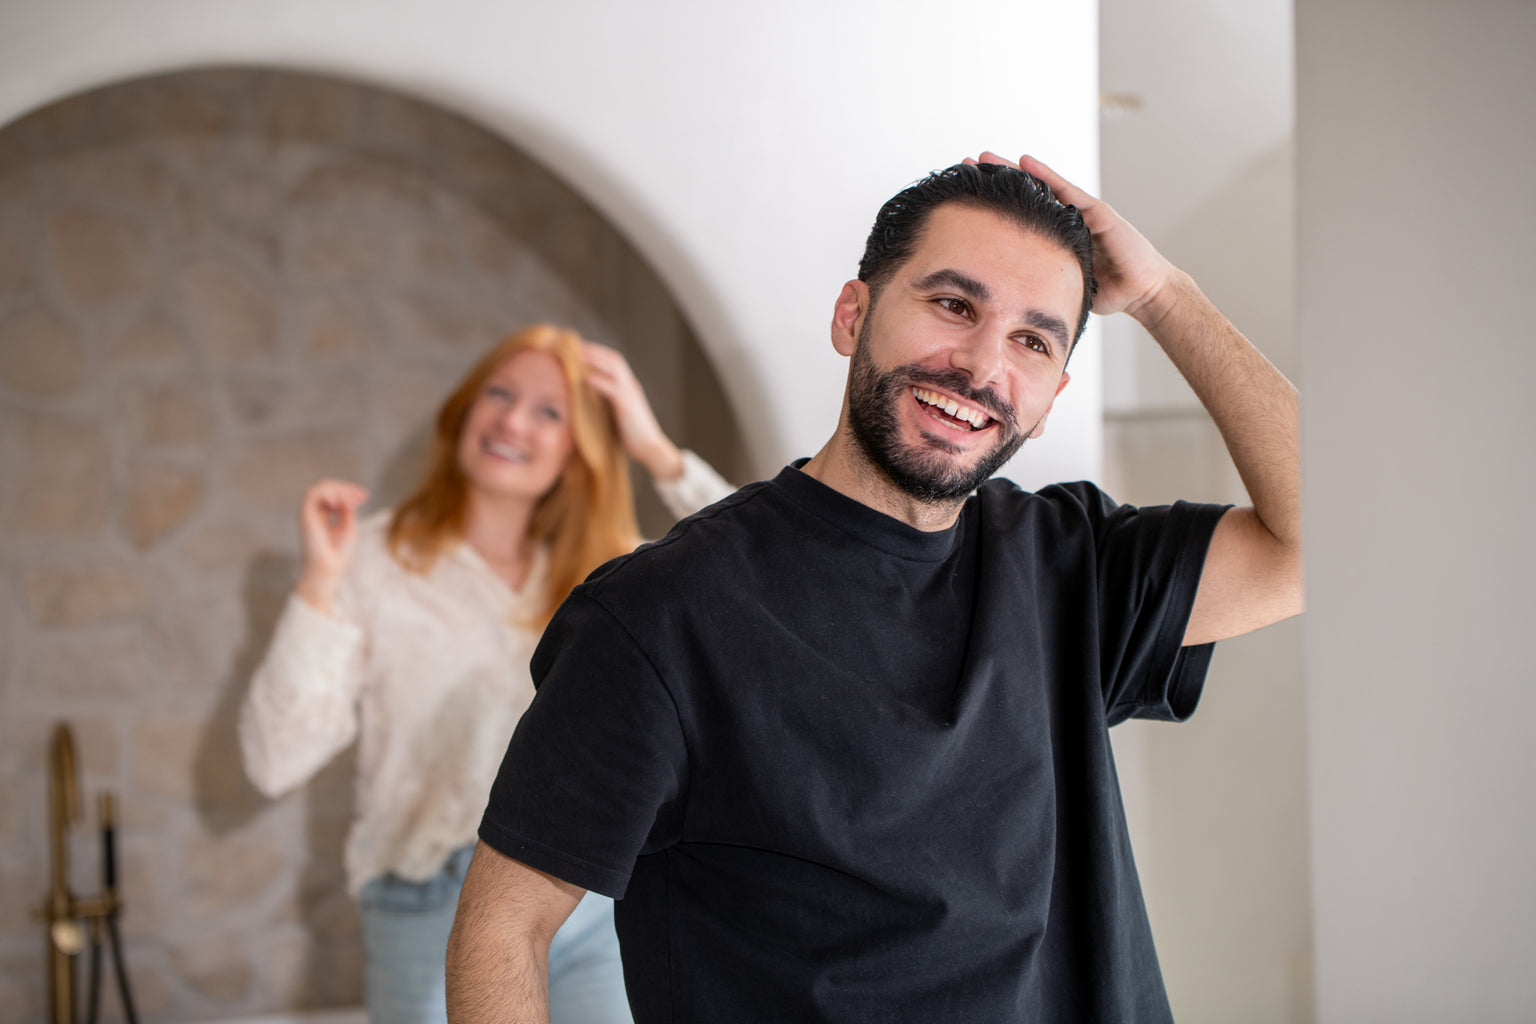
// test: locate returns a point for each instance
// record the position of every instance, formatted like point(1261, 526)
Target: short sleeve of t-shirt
point(1148, 561)
point(609, 766)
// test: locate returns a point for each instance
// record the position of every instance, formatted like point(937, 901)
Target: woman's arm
point(685, 482)
point(302, 706)
point(697, 486)
point(301, 709)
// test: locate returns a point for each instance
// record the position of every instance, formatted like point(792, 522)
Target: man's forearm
point(1253, 405)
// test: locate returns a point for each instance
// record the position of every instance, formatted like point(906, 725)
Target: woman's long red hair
point(587, 518)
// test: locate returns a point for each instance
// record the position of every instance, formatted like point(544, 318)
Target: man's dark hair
point(1017, 195)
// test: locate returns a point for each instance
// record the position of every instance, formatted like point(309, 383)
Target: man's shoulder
point(1081, 516)
point(1003, 504)
point(705, 545)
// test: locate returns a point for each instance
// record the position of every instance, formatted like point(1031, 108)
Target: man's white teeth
point(975, 417)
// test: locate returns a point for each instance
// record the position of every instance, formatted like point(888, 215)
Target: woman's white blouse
point(428, 673)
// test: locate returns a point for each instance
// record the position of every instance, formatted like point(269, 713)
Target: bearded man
point(838, 745)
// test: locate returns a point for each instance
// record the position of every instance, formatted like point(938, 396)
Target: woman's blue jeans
point(405, 939)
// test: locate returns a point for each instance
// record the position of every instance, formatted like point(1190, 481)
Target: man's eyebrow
point(949, 277)
point(1055, 326)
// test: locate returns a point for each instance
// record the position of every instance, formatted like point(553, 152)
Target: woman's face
point(516, 440)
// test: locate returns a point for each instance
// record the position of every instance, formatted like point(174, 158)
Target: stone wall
point(215, 287)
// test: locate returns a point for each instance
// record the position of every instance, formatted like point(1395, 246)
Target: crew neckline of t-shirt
point(857, 519)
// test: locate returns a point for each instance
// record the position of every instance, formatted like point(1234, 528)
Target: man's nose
point(980, 355)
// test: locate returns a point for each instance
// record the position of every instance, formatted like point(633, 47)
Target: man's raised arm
point(498, 952)
point(1252, 575)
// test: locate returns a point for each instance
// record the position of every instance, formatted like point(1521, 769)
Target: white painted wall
point(1417, 221)
point(743, 148)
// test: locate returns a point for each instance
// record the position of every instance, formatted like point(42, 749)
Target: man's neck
point(844, 467)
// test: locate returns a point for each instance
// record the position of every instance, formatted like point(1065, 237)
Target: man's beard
point(924, 471)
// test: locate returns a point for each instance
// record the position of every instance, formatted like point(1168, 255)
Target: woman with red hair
point(411, 633)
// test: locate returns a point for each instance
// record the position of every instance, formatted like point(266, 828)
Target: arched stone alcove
point(215, 286)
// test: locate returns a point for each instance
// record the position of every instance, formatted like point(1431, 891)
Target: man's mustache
point(957, 382)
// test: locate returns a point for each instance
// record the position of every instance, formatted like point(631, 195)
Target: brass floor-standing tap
point(63, 912)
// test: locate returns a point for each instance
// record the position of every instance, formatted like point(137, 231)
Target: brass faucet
point(64, 912)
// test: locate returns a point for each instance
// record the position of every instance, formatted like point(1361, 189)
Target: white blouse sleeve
point(699, 486)
point(302, 707)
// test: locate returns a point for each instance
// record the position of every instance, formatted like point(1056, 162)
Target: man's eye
point(1035, 342)
point(959, 307)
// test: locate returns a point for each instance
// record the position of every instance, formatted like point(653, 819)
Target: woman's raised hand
point(328, 526)
point(610, 376)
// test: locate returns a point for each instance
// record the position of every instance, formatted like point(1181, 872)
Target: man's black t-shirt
point(839, 769)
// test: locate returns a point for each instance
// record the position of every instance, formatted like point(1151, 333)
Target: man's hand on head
point(1252, 574)
point(1133, 276)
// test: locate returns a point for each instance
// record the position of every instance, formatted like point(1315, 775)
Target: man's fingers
point(1063, 189)
point(1060, 187)
point(989, 157)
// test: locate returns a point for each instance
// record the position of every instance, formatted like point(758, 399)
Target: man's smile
point(951, 412)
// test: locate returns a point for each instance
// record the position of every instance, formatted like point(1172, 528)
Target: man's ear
point(848, 316)
point(1040, 423)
